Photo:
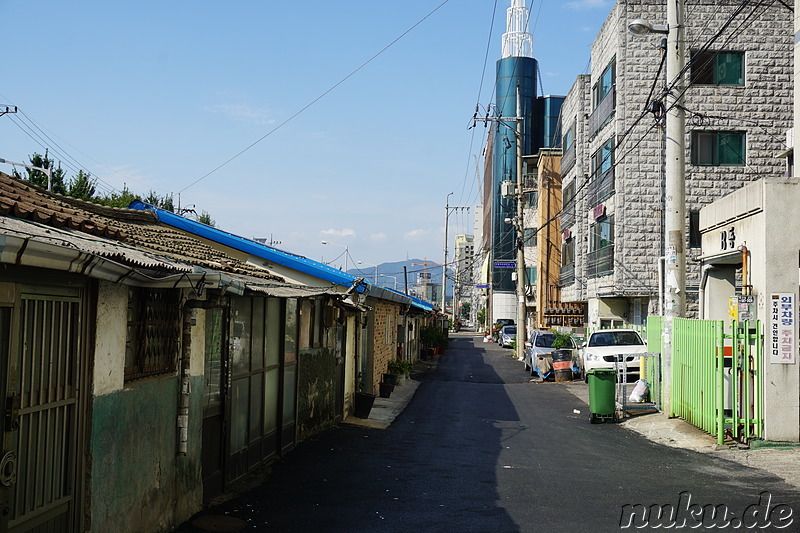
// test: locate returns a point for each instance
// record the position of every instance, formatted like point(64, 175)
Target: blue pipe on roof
point(293, 261)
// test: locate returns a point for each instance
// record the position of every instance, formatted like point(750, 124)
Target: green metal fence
point(716, 376)
point(694, 372)
point(651, 371)
point(743, 414)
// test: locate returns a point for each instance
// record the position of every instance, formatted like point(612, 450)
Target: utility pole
point(674, 295)
point(522, 322)
point(447, 210)
point(674, 189)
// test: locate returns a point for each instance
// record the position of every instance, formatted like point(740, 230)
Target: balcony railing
point(568, 159)
point(600, 188)
point(600, 262)
point(567, 275)
point(602, 113)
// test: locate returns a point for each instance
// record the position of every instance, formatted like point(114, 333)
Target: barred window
point(153, 334)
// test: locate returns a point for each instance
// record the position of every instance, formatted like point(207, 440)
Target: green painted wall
point(316, 400)
point(138, 482)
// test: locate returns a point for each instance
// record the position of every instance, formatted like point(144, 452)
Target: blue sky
point(157, 95)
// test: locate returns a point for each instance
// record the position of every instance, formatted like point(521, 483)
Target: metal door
point(43, 410)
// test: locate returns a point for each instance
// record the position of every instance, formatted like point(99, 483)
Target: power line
point(315, 100)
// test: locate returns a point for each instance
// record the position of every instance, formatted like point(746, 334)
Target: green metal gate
point(717, 376)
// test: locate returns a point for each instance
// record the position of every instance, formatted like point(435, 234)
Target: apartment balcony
point(600, 188)
point(568, 159)
point(600, 262)
point(602, 113)
point(567, 275)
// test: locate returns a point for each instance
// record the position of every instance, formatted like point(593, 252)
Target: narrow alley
point(482, 448)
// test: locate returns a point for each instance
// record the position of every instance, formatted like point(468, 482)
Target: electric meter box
point(508, 189)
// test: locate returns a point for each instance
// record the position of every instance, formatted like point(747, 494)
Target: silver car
point(508, 334)
point(538, 360)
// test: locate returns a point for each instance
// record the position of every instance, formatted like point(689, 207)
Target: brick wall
point(387, 315)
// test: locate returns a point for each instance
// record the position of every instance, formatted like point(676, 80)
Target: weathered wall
point(137, 480)
point(316, 391)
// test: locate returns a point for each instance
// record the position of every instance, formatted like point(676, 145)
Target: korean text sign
point(782, 319)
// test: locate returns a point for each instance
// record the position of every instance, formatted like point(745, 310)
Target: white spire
point(517, 42)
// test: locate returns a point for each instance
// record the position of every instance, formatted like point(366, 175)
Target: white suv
point(607, 346)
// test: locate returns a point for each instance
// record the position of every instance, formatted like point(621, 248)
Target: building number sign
point(728, 239)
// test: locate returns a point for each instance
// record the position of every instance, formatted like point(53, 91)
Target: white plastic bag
point(639, 392)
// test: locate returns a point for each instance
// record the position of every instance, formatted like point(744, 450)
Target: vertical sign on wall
point(782, 345)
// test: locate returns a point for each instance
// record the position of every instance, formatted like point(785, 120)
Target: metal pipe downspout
point(701, 312)
point(185, 365)
point(661, 285)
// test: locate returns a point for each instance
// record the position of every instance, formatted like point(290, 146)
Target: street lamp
point(48, 172)
point(393, 277)
point(674, 296)
point(376, 269)
point(346, 251)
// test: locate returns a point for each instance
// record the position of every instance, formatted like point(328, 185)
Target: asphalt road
point(482, 448)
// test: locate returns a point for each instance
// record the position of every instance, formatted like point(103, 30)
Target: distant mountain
point(388, 272)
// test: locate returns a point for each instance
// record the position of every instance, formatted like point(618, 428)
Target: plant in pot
point(435, 338)
point(562, 358)
point(396, 369)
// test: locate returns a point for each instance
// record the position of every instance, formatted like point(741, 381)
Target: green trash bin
point(602, 389)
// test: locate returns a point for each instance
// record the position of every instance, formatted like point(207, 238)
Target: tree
point(82, 186)
point(37, 177)
point(162, 202)
point(205, 218)
point(116, 199)
point(465, 308)
point(482, 316)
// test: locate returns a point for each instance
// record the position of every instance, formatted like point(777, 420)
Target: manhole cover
point(219, 523)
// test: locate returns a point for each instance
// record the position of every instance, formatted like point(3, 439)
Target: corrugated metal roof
point(295, 262)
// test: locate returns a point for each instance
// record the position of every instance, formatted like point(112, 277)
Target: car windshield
point(546, 340)
point(510, 330)
point(615, 338)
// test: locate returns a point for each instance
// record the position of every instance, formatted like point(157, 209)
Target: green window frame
point(530, 276)
point(604, 83)
point(602, 233)
point(714, 67)
point(603, 159)
point(530, 237)
point(719, 148)
point(569, 138)
point(568, 252)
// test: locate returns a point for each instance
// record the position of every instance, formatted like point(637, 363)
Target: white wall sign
point(783, 315)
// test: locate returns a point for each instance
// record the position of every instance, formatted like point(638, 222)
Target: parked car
point(607, 346)
point(508, 334)
point(538, 350)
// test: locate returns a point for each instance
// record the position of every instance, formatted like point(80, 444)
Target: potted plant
point(435, 338)
point(362, 404)
point(385, 389)
point(562, 359)
point(396, 369)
